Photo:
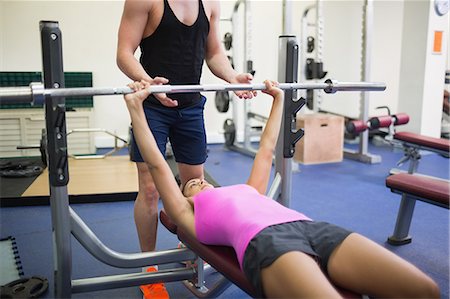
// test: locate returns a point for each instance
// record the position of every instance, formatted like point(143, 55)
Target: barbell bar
point(35, 92)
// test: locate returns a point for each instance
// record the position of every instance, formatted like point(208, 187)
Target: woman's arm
point(175, 204)
point(262, 165)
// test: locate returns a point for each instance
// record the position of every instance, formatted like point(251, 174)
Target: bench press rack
point(65, 222)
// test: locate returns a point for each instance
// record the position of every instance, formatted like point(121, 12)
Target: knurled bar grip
point(30, 94)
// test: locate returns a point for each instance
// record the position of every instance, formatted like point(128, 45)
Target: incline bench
point(414, 187)
point(223, 259)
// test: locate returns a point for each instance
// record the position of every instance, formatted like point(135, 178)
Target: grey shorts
point(317, 239)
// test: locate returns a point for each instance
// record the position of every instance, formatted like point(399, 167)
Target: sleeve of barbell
point(360, 86)
point(15, 95)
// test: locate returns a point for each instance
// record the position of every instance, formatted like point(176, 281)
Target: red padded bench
point(223, 259)
point(439, 145)
point(417, 187)
point(431, 190)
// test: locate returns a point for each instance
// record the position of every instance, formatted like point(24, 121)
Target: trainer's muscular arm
point(132, 26)
point(216, 58)
point(262, 165)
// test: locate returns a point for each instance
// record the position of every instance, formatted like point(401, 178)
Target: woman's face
point(194, 186)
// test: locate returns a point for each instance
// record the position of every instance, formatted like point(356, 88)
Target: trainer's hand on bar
point(162, 97)
point(244, 78)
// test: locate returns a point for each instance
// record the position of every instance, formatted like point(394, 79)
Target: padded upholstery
point(431, 190)
point(223, 259)
point(435, 143)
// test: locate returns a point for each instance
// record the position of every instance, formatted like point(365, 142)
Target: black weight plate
point(25, 288)
point(229, 132)
point(222, 100)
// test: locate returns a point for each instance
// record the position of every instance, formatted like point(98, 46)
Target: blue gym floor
point(350, 194)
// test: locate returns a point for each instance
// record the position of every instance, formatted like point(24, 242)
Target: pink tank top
point(233, 215)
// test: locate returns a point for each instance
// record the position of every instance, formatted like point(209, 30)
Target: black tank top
point(176, 51)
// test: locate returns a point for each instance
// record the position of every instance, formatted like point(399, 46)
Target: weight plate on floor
point(25, 288)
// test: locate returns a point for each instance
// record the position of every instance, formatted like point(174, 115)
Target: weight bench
point(414, 187)
point(413, 143)
point(223, 259)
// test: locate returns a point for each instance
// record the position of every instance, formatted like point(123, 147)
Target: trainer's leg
point(146, 209)
point(188, 172)
point(296, 275)
point(362, 265)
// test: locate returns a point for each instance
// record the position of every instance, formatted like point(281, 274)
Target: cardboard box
point(323, 141)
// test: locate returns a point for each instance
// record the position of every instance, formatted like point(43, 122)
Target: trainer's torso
point(174, 45)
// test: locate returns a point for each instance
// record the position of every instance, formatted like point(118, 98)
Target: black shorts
point(184, 128)
point(317, 239)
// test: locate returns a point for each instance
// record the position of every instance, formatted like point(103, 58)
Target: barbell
point(35, 92)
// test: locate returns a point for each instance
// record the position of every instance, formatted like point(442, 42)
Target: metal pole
point(283, 166)
point(248, 67)
point(362, 154)
point(365, 71)
point(238, 54)
point(287, 17)
point(57, 157)
point(317, 98)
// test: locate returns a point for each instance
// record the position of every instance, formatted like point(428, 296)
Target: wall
point(422, 70)
point(342, 51)
point(1, 35)
point(90, 35)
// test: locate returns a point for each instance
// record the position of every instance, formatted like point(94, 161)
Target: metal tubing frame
point(65, 221)
point(412, 151)
point(400, 236)
point(131, 279)
point(57, 157)
point(218, 288)
point(288, 52)
point(362, 154)
point(317, 96)
point(123, 260)
point(245, 147)
point(98, 130)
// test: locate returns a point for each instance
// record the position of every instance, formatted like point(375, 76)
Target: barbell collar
point(35, 93)
point(37, 90)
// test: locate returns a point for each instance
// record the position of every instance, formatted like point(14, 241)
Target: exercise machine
point(413, 186)
point(311, 64)
point(65, 222)
point(233, 125)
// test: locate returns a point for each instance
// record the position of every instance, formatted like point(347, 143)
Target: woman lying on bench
point(282, 252)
